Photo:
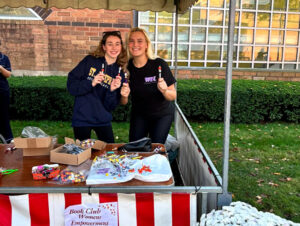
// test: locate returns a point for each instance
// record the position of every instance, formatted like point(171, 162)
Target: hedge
point(36, 98)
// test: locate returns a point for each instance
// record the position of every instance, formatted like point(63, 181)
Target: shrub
point(251, 101)
point(37, 98)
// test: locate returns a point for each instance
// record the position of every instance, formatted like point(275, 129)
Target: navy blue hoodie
point(4, 61)
point(93, 105)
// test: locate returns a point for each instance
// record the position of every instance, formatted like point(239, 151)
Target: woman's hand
point(98, 79)
point(162, 85)
point(125, 90)
point(169, 92)
point(116, 83)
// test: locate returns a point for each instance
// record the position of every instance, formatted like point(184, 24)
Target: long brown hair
point(122, 58)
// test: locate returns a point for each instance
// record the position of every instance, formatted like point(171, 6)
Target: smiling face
point(137, 44)
point(112, 47)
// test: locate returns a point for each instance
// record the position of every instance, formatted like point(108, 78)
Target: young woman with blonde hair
point(152, 90)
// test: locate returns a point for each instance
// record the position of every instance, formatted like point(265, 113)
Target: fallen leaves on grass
point(277, 173)
point(273, 184)
point(260, 181)
point(256, 160)
point(285, 179)
point(235, 149)
point(259, 201)
point(260, 198)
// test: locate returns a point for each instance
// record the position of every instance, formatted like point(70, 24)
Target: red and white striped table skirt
point(140, 209)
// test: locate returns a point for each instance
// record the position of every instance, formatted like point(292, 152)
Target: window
point(21, 13)
point(263, 38)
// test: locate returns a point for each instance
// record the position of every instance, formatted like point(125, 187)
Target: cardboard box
point(37, 151)
point(41, 142)
point(34, 146)
point(69, 159)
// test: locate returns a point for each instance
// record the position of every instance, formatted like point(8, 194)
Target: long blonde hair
point(149, 52)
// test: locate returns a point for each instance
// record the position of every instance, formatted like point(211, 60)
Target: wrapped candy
point(88, 143)
point(71, 149)
point(45, 171)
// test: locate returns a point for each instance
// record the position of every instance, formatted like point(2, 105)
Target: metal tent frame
point(179, 6)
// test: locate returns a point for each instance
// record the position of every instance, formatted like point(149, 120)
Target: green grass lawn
point(264, 168)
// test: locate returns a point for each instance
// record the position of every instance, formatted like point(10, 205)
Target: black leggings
point(156, 127)
point(5, 128)
point(104, 133)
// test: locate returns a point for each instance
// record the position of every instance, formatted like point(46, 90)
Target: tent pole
point(225, 198)
point(175, 58)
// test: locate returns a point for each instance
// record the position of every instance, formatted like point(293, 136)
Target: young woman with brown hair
point(98, 84)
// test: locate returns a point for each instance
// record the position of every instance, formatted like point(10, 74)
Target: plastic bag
point(171, 143)
point(172, 147)
point(45, 171)
point(141, 145)
point(104, 170)
point(73, 174)
point(88, 143)
point(33, 132)
point(72, 149)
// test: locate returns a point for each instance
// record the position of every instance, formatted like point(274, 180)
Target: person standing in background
point(152, 90)
point(5, 72)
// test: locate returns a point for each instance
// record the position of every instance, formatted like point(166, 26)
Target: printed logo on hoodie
point(107, 78)
point(107, 81)
point(91, 73)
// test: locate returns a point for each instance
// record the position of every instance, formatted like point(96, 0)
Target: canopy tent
point(178, 6)
point(141, 5)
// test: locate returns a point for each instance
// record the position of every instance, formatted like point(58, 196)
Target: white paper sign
point(92, 214)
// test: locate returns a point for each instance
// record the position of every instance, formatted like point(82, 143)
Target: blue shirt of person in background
point(5, 72)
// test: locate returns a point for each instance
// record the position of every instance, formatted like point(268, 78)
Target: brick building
point(55, 44)
point(60, 38)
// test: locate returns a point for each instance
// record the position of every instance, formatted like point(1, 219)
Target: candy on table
point(71, 149)
point(42, 168)
point(88, 143)
point(144, 169)
point(45, 171)
point(68, 176)
point(115, 165)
